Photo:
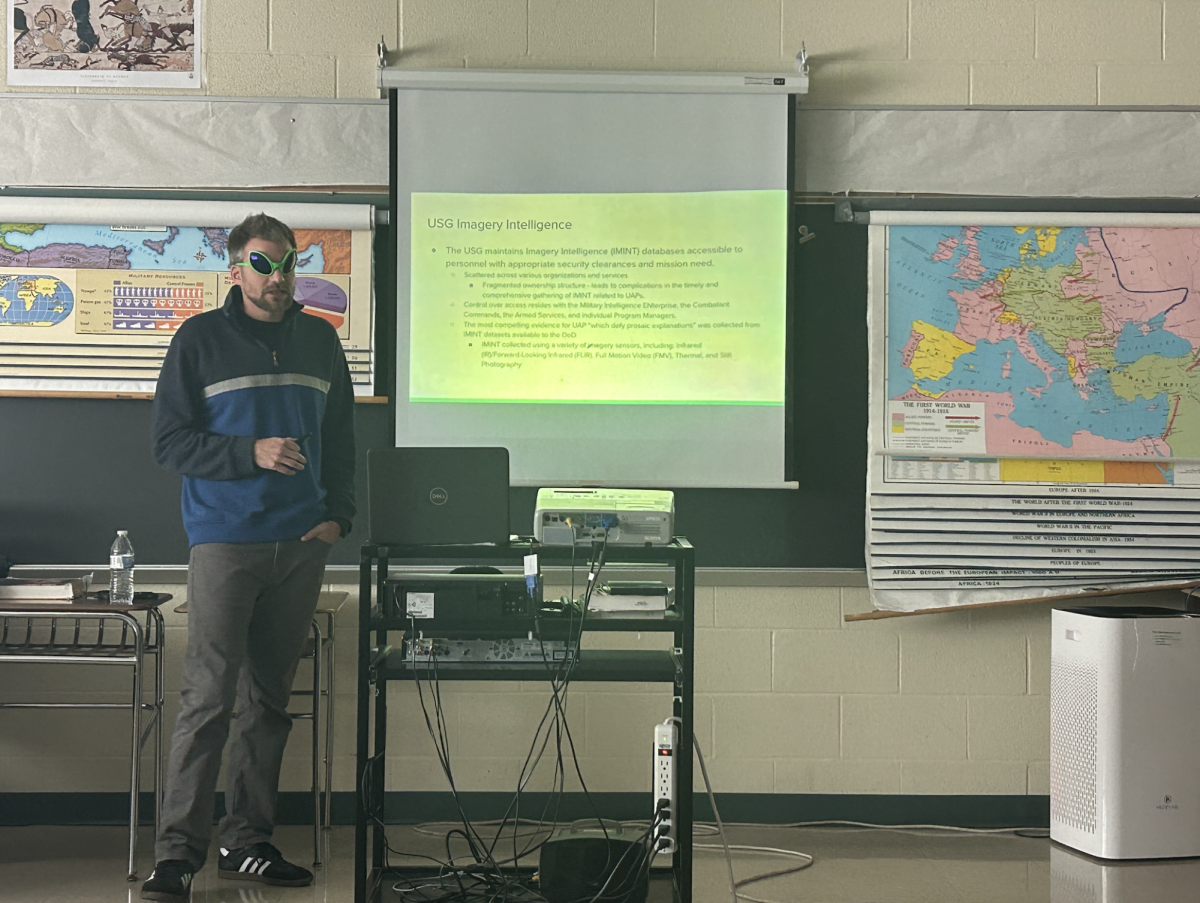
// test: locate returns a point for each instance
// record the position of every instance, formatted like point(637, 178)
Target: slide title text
point(511, 225)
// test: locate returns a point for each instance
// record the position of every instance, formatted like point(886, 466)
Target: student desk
point(90, 632)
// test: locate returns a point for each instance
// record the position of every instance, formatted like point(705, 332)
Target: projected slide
point(673, 298)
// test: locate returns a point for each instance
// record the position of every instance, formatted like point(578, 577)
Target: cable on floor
point(1030, 831)
point(806, 859)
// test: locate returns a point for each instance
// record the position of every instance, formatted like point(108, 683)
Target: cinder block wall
point(790, 698)
point(1004, 52)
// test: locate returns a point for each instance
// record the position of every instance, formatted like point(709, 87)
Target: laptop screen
point(438, 496)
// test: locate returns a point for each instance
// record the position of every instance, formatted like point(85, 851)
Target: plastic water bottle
point(120, 570)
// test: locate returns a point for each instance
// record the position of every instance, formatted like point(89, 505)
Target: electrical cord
point(482, 852)
point(527, 771)
point(559, 684)
point(490, 873)
point(425, 828)
point(484, 879)
point(1188, 599)
point(1031, 831)
point(382, 828)
point(642, 849)
point(558, 726)
point(491, 876)
point(806, 859)
point(720, 827)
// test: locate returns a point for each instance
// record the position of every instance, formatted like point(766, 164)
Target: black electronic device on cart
point(438, 496)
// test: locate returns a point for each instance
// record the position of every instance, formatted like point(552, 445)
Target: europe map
point(1068, 341)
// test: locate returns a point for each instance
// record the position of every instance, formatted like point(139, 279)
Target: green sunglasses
point(264, 265)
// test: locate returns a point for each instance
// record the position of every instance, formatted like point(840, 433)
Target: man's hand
point(327, 531)
point(278, 454)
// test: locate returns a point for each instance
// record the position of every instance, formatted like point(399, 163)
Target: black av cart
point(381, 659)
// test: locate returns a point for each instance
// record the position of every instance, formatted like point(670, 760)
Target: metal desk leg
point(362, 719)
point(316, 743)
point(159, 683)
point(377, 775)
point(139, 645)
point(329, 722)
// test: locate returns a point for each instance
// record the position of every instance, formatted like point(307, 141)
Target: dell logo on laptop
point(438, 495)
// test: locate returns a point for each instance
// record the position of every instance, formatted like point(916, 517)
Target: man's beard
point(272, 301)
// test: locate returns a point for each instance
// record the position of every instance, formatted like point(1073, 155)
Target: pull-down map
point(101, 303)
point(1068, 341)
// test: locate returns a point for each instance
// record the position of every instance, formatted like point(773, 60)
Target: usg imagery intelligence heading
point(513, 225)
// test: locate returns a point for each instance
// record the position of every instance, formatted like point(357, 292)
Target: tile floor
point(78, 864)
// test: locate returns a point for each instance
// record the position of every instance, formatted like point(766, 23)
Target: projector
point(628, 517)
point(1124, 731)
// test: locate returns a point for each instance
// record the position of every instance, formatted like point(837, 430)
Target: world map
point(1076, 341)
point(33, 300)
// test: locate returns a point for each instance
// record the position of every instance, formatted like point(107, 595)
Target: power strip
point(665, 747)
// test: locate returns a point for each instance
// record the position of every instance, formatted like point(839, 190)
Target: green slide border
point(561, 401)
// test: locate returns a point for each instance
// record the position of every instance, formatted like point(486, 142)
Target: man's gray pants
point(250, 606)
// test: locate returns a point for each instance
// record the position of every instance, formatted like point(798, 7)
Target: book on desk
point(60, 589)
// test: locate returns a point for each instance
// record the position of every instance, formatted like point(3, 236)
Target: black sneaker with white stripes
point(262, 862)
point(170, 881)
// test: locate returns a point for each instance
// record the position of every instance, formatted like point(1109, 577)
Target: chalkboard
point(821, 524)
point(73, 471)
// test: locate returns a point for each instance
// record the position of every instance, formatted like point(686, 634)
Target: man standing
point(255, 409)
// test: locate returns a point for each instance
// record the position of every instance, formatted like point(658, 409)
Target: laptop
point(437, 496)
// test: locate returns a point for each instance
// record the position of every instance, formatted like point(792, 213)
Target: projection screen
point(596, 281)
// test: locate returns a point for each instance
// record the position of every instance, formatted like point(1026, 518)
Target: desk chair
point(319, 647)
point(83, 633)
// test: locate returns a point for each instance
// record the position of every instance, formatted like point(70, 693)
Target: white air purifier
point(1125, 732)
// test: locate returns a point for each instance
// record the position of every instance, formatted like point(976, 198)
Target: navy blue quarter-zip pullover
point(220, 389)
